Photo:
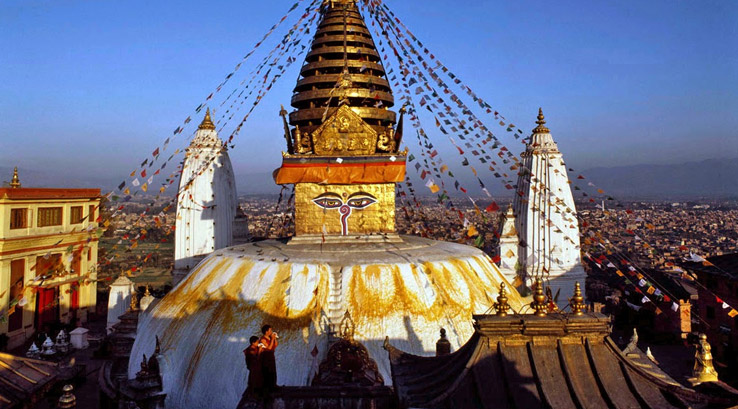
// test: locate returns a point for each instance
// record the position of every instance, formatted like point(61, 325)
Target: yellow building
point(48, 256)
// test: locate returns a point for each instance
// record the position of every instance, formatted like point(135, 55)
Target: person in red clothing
point(267, 344)
point(254, 389)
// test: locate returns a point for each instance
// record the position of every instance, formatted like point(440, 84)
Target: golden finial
point(134, 301)
point(67, 400)
point(577, 301)
point(15, 183)
point(501, 306)
point(207, 123)
point(541, 128)
point(539, 299)
point(703, 371)
point(147, 293)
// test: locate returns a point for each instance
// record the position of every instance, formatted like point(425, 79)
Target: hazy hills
point(714, 178)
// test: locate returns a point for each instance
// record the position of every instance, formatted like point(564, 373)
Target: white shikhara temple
point(544, 219)
point(206, 205)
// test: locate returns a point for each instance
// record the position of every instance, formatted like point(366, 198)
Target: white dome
point(406, 291)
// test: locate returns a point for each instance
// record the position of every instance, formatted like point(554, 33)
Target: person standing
point(268, 343)
point(255, 385)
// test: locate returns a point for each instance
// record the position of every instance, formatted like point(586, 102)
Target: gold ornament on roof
point(134, 301)
point(344, 133)
point(577, 301)
point(704, 371)
point(501, 306)
point(539, 299)
point(67, 400)
point(207, 123)
point(541, 128)
point(15, 182)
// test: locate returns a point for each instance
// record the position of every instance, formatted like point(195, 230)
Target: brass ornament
point(539, 299)
point(387, 141)
point(207, 123)
point(501, 306)
point(15, 182)
point(344, 133)
point(703, 371)
point(577, 301)
point(541, 128)
point(67, 400)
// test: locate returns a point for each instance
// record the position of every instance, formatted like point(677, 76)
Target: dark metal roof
point(556, 361)
point(24, 380)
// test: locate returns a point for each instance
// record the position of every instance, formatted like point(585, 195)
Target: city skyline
point(96, 86)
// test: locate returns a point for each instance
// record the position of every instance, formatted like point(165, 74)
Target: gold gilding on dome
point(207, 123)
point(354, 209)
point(541, 128)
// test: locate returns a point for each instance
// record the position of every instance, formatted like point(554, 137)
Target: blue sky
point(93, 86)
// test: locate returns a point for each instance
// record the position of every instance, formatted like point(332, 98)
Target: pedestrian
point(268, 344)
point(255, 386)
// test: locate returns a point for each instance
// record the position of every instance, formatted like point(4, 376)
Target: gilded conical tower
point(342, 67)
point(342, 149)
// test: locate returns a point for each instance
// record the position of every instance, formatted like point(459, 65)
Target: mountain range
point(712, 178)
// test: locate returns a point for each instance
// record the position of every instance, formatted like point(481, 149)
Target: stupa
point(346, 260)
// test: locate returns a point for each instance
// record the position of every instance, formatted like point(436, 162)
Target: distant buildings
point(48, 254)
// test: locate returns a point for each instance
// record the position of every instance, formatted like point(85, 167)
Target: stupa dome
point(404, 290)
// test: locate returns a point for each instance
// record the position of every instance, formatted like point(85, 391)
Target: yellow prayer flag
point(472, 231)
point(444, 168)
point(651, 290)
point(145, 187)
point(127, 191)
point(732, 313)
point(434, 188)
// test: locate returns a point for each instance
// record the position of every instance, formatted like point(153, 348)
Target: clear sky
point(93, 86)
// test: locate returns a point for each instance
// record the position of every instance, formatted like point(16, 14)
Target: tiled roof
point(22, 379)
point(557, 361)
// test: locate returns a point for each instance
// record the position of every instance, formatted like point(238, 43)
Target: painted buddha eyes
point(360, 202)
point(355, 201)
point(328, 201)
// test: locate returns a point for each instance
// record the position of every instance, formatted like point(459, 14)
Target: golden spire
point(207, 123)
point(539, 299)
point(67, 400)
point(15, 183)
point(134, 301)
point(501, 306)
point(541, 128)
point(577, 301)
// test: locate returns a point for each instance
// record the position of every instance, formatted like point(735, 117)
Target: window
point(49, 216)
point(15, 312)
point(75, 215)
point(91, 218)
point(18, 218)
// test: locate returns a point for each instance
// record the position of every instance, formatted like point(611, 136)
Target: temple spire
point(15, 182)
point(541, 128)
point(207, 123)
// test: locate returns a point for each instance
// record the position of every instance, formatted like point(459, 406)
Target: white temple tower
point(509, 243)
point(206, 202)
point(546, 218)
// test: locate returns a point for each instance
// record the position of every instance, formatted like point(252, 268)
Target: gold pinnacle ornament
point(134, 301)
point(541, 128)
point(207, 123)
point(67, 400)
point(539, 299)
point(501, 306)
point(15, 183)
point(577, 301)
point(704, 371)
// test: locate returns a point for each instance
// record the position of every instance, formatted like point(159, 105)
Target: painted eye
point(327, 202)
point(361, 202)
